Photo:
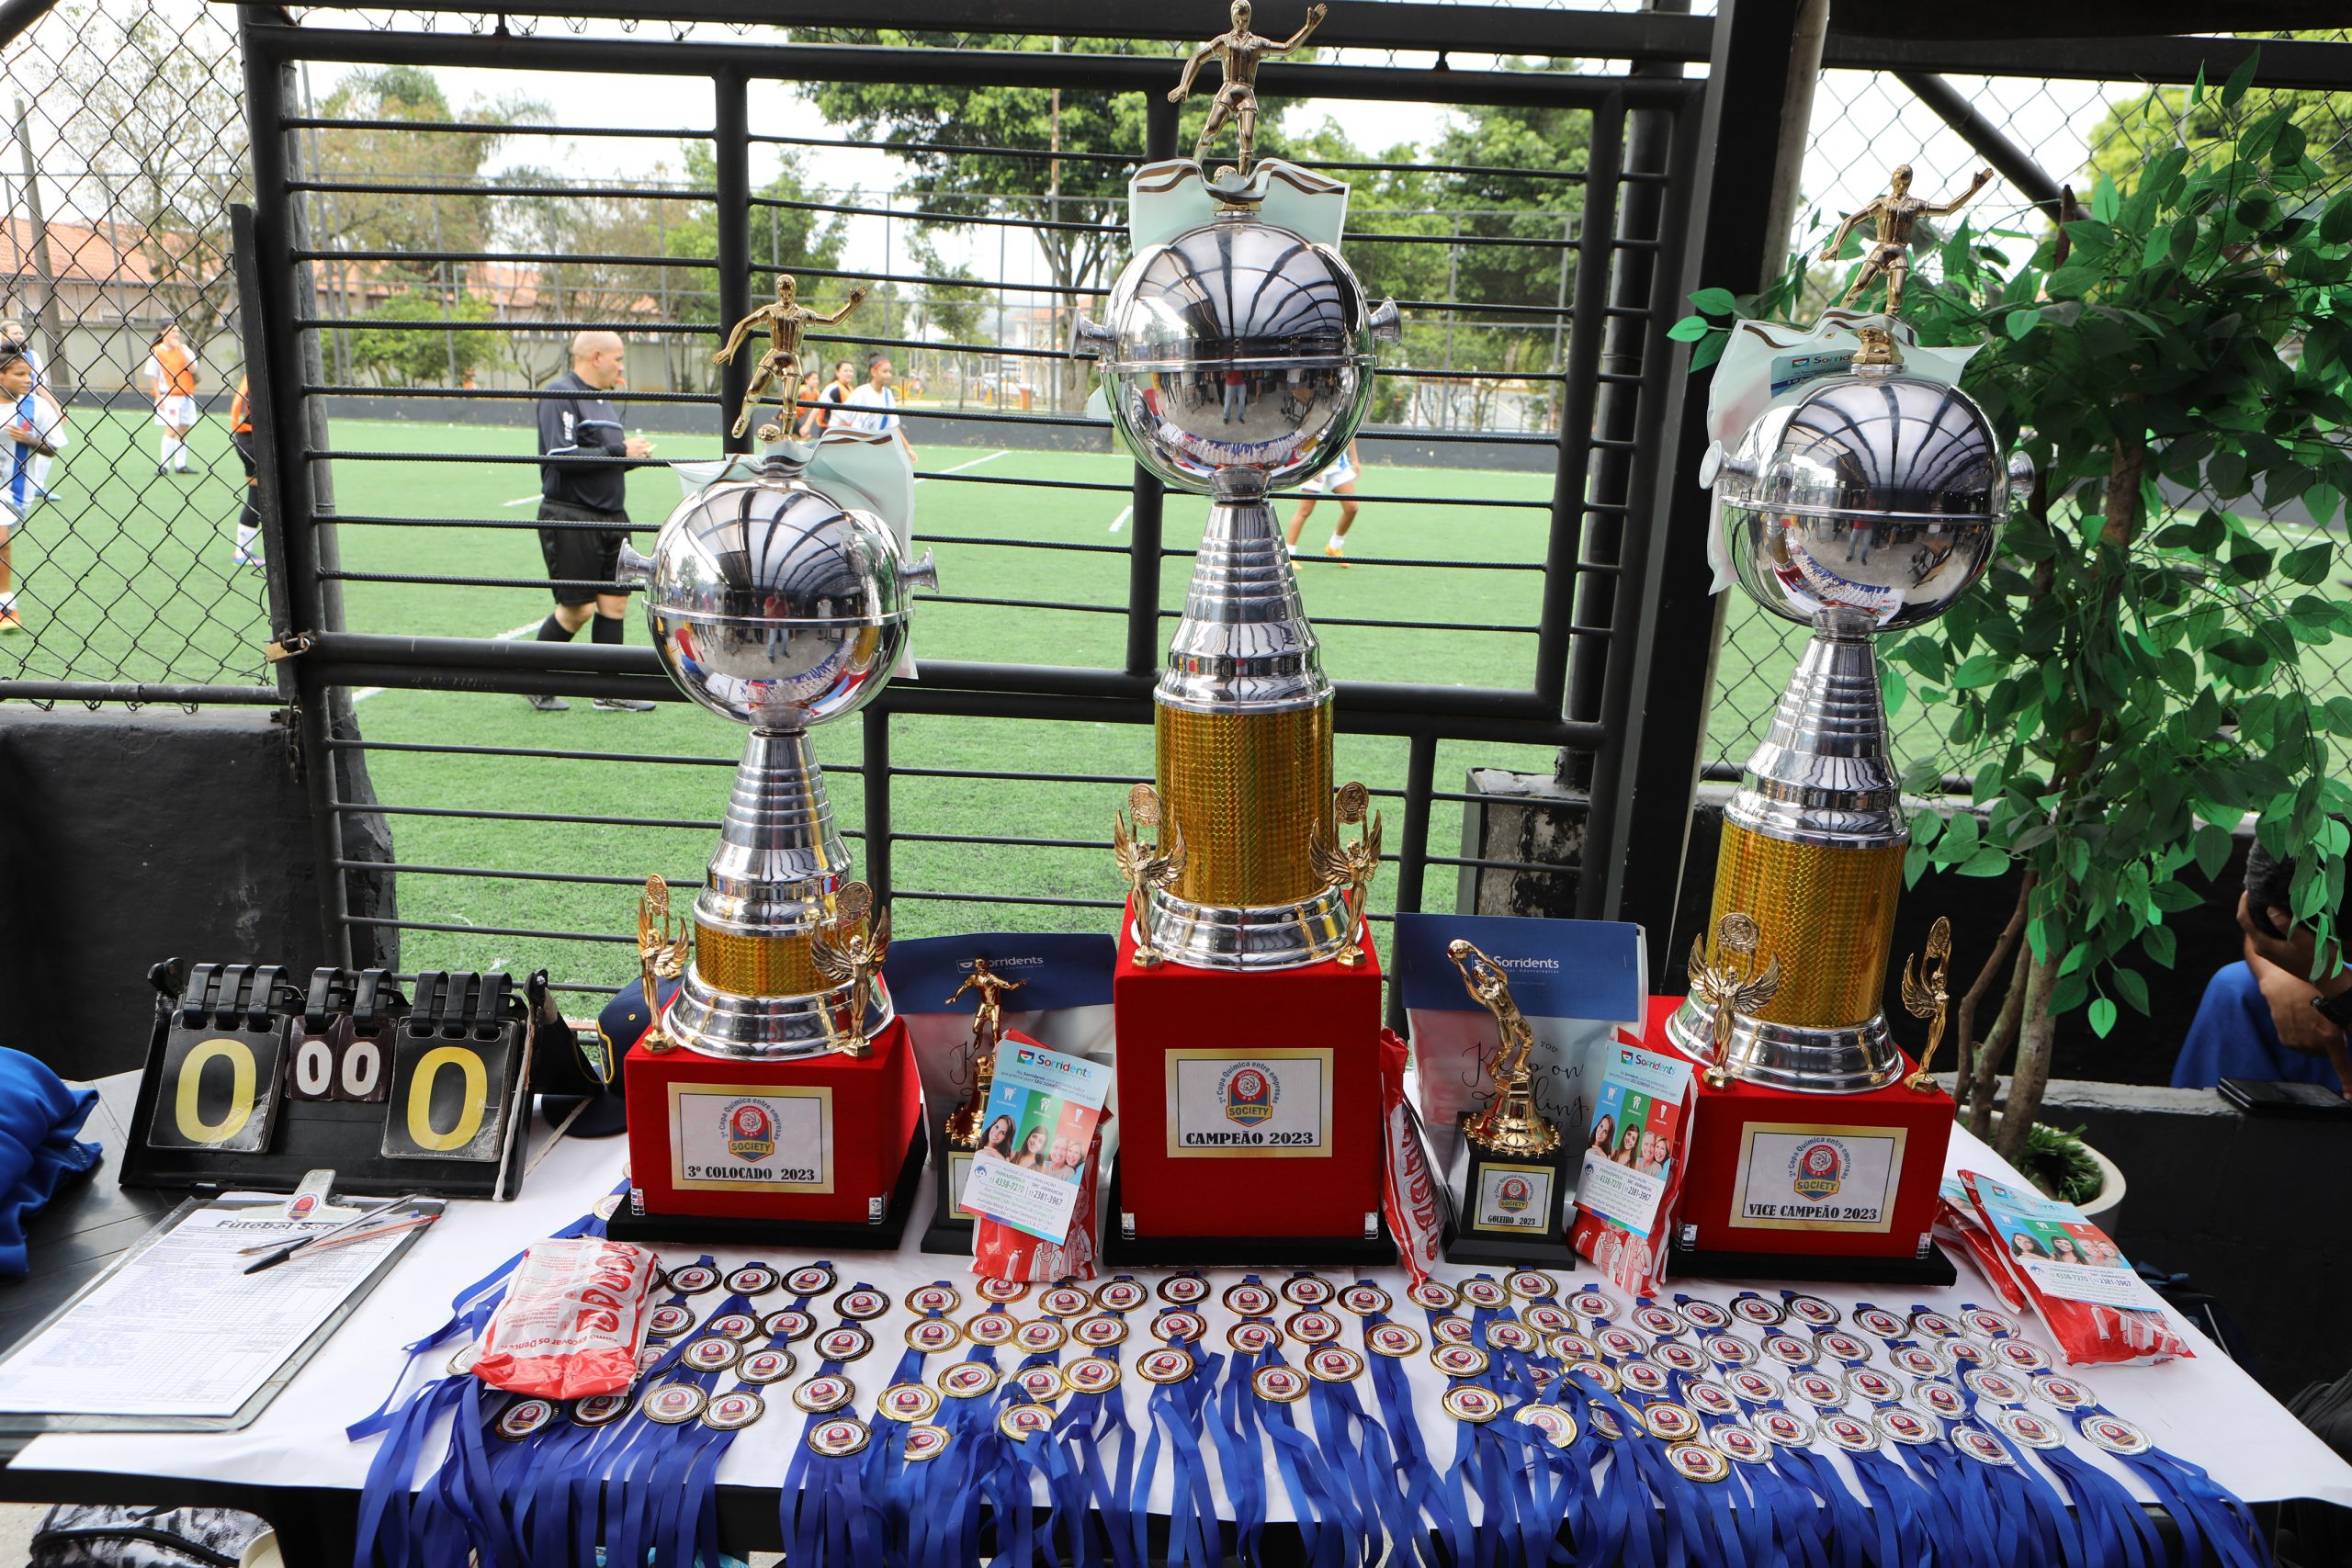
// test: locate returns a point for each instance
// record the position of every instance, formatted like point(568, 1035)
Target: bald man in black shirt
point(583, 462)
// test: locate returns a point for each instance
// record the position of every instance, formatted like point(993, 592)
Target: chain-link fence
point(130, 557)
point(1863, 122)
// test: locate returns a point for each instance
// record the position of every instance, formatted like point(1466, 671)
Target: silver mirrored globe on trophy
point(773, 604)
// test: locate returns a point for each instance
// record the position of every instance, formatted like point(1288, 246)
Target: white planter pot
point(2105, 1211)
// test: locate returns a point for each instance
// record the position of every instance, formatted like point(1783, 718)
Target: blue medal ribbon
point(824, 1516)
point(2209, 1515)
point(1423, 1506)
point(1194, 1539)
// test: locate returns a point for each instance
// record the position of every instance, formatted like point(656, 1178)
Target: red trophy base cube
point(1800, 1186)
point(1248, 1111)
point(826, 1146)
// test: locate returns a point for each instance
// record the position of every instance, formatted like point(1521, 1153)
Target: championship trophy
point(778, 1086)
point(1235, 356)
point(1515, 1187)
point(1865, 501)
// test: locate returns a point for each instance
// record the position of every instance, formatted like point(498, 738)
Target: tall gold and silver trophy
point(1866, 506)
point(1236, 356)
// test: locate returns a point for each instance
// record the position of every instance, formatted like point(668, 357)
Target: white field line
point(959, 467)
point(1121, 520)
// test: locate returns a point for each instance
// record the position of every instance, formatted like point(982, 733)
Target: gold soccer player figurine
point(661, 955)
point(1241, 51)
point(987, 1031)
point(1350, 866)
point(1926, 995)
point(780, 366)
point(1729, 988)
point(1143, 865)
point(850, 953)
point(1510, 1123)
point(1890, 253)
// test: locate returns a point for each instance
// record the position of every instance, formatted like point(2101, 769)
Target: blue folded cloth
point(39, 1152)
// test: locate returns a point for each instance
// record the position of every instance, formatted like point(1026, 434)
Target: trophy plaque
point(1515, 1185)
point(776, 1098)
point(1865, 501)
point(1236, 355)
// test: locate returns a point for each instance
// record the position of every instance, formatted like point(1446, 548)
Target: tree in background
point(425, 355)
point(152, 113)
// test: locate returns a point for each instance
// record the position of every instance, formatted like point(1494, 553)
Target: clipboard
point(296, 1357)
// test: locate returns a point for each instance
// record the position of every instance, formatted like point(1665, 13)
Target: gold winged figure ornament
point(1146, 864)
point(850, 953)
point(662, 950)
point(1348, 867)
point(1730, 986)
point(1925, 993)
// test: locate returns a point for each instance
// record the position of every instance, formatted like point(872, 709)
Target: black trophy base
point(1509, 1209)
point(885, 1235)
point(1121, 1250)
point(949, 1231)
point(1832, 1268)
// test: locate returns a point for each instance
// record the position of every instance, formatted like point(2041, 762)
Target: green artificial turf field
point(125, 576)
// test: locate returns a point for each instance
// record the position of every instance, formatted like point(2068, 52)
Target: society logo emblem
point(751, 1130)
point(1514, 1195)
point(1817, 1170)
point(1248, 1094)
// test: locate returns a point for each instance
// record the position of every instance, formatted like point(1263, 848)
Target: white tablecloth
point(2204, 1410)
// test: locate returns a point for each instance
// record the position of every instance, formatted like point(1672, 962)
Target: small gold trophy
point(1926, 995)
point(1145, 865)
point(1516, 1180)
point(850, 954)
point(1238, 51)
point(786, 319)
point(1729, 986)
point(987, 1031)
point(1350, 867)
point(662, 950)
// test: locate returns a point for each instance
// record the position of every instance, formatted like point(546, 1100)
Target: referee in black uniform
point(580, 437)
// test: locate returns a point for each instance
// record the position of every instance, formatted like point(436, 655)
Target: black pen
point(291, 1247)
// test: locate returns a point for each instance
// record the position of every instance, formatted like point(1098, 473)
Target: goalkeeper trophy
point(1236, 355)
point(1862, 502)
point(777, 1099)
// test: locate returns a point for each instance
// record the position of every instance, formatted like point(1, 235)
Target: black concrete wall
point(127, 838)
point(2240, 1204)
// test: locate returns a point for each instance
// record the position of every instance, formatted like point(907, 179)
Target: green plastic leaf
point(2308, 566)
point(2196, 88)
point(2232, 91)
point(2021, 322)
point(1977, 670)
point(2336, 223)
point(1690, 329)
point(2162, 942)
point(2105, 202)
point(1707, 352)
point(1989, 861)
point(2134, 989)
point(1714, 301)
point(2102, 1015)
point(2214, 844)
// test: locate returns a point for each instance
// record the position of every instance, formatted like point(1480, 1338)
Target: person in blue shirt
point(2264, 1018)
point(24, 444)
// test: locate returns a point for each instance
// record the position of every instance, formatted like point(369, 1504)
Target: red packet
point(1408, 1192)
point(1957, 1225)
point(573, 1321)
point(2077, 1282)
point(1000, 1252)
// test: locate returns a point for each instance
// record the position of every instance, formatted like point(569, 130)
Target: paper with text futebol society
point(182, 1329)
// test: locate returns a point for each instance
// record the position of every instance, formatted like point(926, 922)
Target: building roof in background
point(78, 252)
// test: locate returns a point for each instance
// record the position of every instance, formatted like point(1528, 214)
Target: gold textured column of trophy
point(988, 1034)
